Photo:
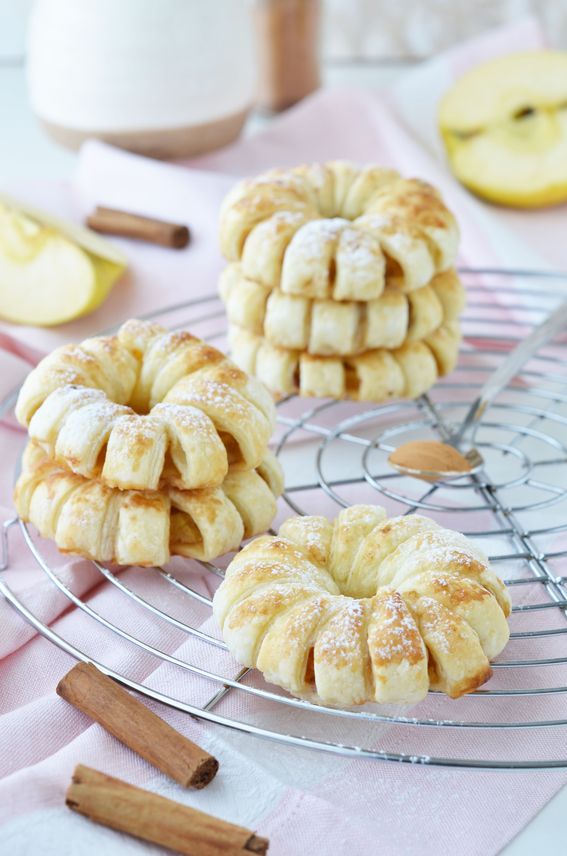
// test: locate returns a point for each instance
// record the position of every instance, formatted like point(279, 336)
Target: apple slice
point(504, 125)
point(50, 271)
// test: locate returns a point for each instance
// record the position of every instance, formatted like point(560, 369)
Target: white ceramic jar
point(167, 78)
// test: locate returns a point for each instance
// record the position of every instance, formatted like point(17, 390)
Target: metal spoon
point(495, 383)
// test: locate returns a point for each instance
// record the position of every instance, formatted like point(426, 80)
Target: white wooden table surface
point(27, 154)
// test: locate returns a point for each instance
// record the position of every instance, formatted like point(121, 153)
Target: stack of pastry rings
point(145, 445)
point(341, 282)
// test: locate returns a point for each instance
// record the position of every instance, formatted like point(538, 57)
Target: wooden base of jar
point(162, 143)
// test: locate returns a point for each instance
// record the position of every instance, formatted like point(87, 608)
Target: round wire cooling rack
point(334, 454)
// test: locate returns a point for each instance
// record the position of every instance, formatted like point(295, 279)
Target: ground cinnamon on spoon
point(429, 455)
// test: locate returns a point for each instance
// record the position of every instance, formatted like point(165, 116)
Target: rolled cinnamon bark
point(111, 221)
point(122, 806)
point(131, 722)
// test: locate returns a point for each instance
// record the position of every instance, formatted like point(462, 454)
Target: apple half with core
point(504, 126)
point(51, 271)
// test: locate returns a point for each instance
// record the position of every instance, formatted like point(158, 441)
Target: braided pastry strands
point(378, 375)
point(336, 231)
point(144, 527)
point(334, 328)
point(364, 608)
point(146, 407)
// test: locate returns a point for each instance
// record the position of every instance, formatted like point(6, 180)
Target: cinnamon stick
point(111, 221)
point(131, 722)
point(145, 815)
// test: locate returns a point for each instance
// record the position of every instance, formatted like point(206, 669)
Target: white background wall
point(394, 28)
point(372, 28)
point(13, 17)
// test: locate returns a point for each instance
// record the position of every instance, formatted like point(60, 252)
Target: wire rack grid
point(335, 454)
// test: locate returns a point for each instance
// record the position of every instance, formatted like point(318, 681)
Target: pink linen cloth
point(302, 801)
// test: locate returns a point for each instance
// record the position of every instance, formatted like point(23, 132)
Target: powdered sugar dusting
point(339, 640)
point(314, 240)
point(219, 395)
point(361, 251)
point(183, 416)
point(139, 428)
point(393, 633)
point(288, 218)
point(309, 613)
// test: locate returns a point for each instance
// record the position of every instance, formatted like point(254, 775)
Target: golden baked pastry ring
point(146, 407)
point(340, 328)
point(377, 375)
point(337, 231)
point(364, 608)
point(130, 527)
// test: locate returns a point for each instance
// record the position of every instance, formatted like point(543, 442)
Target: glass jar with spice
point(288, 46)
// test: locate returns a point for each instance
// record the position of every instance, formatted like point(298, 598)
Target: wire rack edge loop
point(334, 454)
